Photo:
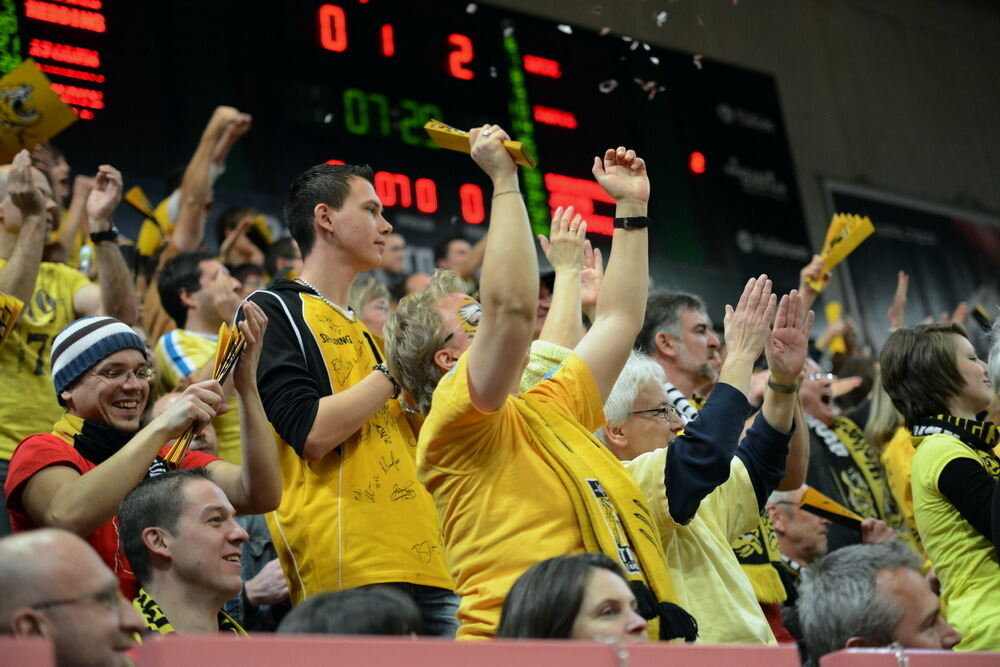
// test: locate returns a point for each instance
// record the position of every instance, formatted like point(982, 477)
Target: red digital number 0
point(460, 56)
point(332, 28)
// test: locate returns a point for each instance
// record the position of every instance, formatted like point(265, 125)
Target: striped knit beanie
point(83, 343)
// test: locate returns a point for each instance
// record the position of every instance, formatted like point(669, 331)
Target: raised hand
point(489, 152)
point(104, 197)
point(591, 278)
point(897, 311)
point(788, 344)
point(622, 174)
point(811, 271)
point(747, 325)
point(875, 531)
point(200, 403)
point(253, 327)
point(22, 188)
point(564, 247)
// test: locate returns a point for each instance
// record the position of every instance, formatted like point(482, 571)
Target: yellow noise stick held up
point(454, 139)
point(227, 353)
point(845, 233)
point(824, 506)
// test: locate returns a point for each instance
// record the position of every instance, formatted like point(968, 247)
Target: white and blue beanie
point(83, 343)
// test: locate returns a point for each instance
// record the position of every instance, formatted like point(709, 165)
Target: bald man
point(56, 586)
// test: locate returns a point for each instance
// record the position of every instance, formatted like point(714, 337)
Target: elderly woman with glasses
point(76, 476)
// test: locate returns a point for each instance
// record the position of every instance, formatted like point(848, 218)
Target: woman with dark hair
point(572, 597)
point(937, 383)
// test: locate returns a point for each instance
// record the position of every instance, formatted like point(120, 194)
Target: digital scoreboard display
point(355, 81)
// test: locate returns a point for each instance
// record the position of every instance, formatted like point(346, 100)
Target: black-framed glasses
point(108, 596)
point(123, 374)
point(665, 411)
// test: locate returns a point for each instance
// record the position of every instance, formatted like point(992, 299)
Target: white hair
point(640, 370)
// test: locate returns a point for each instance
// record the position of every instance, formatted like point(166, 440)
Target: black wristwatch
point(396, 389)
point(109, 235)
point(636, 222)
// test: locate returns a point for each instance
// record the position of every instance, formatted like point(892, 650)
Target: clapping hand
point(788, 343)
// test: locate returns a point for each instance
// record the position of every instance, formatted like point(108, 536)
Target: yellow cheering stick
point(815, 502)
point(454, 139)
point(10, 308)
point(834, 311)
point(227, 353)
point(845, 233)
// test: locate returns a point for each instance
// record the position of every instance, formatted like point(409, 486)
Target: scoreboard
point(355, 81)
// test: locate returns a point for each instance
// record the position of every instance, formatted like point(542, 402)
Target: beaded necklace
point(320, 295)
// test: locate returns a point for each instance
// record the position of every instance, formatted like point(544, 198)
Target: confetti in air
point(562, 27)
point(646, 46)
point(626, 38)
point(697, 60)
point(604, 31)
point(328, 118)
point(654, 60)
point(508, 31)
point(493, 72)
point(607, 86)
point(471, 8)
point(661, 18)
point(635, 45)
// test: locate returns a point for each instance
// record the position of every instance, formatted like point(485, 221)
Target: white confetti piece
point(646, 46)
point(635, 45)
point(508, 31)
point(471, 8)
point(493, 72)
point(654, 60)
point(562, 27)
point(626, 38)
point(604, 31)
point(607, 86)
point(661, 18)
point(697, 60)
point(328, 118)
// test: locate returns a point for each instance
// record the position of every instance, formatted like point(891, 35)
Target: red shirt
point(40, 451)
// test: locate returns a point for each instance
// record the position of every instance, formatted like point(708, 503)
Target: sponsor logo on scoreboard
point(757, 182)
point(750, 242)
point(750, 120)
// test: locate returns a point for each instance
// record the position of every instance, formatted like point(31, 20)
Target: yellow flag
point(30, 111)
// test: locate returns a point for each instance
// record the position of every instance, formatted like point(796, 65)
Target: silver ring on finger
point(486, 133)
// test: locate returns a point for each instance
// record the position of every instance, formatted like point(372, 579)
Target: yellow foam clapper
point(154, 228)
point(10, 309)
point(834, 312)
point(260, 224)
point(821, 505)
point(454, 139)
point(31, 112)
point(845, 233)
point(982, 318)
point(140, 202)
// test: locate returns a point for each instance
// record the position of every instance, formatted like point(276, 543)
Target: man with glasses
point(844, 466)
point(706, 487)
point(56, 587)
point(75, 477)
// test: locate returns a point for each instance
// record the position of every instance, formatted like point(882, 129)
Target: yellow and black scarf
point(857, 471)
point(158, 622)
point(760, 559)
point(981, 436)
point(613, 517)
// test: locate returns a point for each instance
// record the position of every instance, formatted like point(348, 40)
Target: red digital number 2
point(460, 56)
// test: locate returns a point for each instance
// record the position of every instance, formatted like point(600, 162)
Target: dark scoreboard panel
point(356, 81)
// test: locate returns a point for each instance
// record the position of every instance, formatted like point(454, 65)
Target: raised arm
point(60, 496)
point(812, 270)
point(18, 275)
point(196, 186)
point(254, 487)
point(509, 282)
point(116, 294)
point(622, 301)
point(564, 250)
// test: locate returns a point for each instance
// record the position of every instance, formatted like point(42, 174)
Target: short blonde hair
point(414, 333)
point(364, 290)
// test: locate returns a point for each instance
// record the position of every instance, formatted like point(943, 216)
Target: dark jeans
point(438, 608)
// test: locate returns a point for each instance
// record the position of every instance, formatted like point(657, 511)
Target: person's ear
point(187, 298)
point(666, 345)
point(445, 360)
point(66, 395)
point(28, 622)
point(859, 642)
point(156, 541)
point(777, 518)
point(323, 217)
point(615, 437)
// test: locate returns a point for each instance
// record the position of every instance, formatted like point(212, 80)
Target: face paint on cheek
point(469, 312)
